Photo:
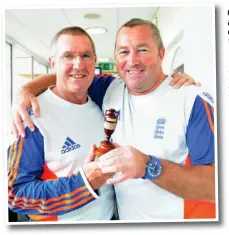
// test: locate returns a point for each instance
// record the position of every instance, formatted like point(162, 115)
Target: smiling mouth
point(78, 76)
point(135, 72)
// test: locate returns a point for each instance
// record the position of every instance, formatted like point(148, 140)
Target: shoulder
point(192, 92)
point(116, 86)
point(195, 91)
point(44, 101)
point(115, 91)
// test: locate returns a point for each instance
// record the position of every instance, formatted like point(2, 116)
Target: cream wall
point(188, 35)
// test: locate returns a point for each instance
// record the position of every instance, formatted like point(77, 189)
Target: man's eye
point(68, 57)
point(86, 56)
point(123, 52)
point(142, 50)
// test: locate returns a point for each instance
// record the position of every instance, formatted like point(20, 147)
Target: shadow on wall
point(179, 69)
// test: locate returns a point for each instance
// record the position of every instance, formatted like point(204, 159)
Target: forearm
point(51, 197)
point(189, 182)
point(40, 84)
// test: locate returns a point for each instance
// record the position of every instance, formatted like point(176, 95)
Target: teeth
point(77, 76)
point(134, 72)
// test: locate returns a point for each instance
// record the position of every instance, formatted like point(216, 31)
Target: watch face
point(154, 169)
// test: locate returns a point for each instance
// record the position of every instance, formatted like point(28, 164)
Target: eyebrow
point(90, 52)
point(142, 45)
point(139, 45)
point(122, 47)
point(83, 52)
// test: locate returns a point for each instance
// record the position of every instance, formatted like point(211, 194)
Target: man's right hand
point(25, 101)
point(93, 173)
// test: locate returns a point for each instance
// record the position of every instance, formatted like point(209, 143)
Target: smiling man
point(48, 177)
point(165, 166)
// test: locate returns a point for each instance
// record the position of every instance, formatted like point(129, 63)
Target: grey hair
point(154, 29)
point(74, 30)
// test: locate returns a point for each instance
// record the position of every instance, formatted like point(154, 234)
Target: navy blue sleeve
point(98, 89)
point(200, 133)
point(29, 194)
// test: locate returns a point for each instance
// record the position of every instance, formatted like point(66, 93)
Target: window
point(22, 69)
point(38, 69)
point(8, 77)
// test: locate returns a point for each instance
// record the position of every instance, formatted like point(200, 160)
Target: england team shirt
point(45, 176)
point(169, 123)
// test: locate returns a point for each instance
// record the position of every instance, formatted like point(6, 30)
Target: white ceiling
point(35, 28)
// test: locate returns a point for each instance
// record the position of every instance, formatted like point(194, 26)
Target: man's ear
point(162, 53)
point(52, 64)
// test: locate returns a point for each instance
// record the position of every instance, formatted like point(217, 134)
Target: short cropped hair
point(74, 30)
point(154, 29)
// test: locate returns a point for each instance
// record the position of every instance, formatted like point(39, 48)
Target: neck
point(160, 79)
point(71, 97)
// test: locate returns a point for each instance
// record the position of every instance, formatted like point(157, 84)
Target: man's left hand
point(182, 79)
point(127, 160)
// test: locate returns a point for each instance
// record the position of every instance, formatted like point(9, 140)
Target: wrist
point(28, 88)
point(25, 89)
point(90, 188)
point(153, 168)
point(146, 160)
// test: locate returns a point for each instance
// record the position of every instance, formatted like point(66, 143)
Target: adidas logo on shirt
point(69, 145)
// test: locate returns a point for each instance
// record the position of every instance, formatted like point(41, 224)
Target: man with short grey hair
point(49, 179)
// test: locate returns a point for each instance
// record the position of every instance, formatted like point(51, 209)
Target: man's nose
point(133, 58)
point(78, 62)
